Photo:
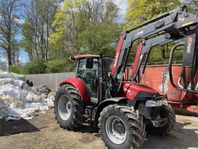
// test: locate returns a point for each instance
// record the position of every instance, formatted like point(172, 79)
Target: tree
point(141, 11)
point(8, 29)
point(58, 42)
point(37, 27)
point(85, 26)
point(28, 44)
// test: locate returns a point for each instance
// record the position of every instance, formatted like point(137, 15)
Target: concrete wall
point(51, 80)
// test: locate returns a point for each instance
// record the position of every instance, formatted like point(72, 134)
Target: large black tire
point(130, 132)
point(68, 107)
point(167, 112)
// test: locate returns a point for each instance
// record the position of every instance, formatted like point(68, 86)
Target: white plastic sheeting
point(19, 100)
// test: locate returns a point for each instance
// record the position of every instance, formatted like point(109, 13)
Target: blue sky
point(23, 56)
point(123, 6)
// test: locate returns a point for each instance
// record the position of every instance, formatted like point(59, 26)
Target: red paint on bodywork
point(156, 77)
point(137, 58)
point(79, 85)
point(118, 50)
point(131, 89)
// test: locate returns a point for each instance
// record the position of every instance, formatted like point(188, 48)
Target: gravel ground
point(42, 132)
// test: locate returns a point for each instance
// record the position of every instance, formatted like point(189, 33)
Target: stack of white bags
point(19, 100)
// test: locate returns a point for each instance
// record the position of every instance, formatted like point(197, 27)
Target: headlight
point(153, 103)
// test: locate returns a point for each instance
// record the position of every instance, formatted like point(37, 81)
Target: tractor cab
point(90, 68)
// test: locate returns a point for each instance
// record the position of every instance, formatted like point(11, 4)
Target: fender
point(107, 102)
point(79, 85)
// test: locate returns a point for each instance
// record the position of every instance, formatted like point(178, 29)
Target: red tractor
point(121, 109)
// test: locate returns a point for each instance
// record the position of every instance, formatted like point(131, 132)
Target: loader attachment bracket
point(188, 80)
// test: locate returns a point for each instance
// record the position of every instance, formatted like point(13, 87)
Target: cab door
point(87, 71)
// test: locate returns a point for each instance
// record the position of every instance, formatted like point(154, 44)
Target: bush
point(20, 69)
point(59, 65)
point(15, 69)
point(36, 66)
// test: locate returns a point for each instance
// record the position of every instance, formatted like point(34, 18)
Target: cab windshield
point(87, 68)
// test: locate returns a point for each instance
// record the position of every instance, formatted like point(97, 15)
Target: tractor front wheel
point(120, 127)
point(68, 107)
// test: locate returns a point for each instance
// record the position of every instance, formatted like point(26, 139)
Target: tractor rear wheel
point(68, 107)
point(120, 127)
point(167, 112)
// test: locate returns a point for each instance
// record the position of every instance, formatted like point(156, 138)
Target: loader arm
point(173, 23)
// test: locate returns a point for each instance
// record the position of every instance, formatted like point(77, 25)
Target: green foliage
point(19, 69)
point(36, 66)
point(161, 54)
point(59, 65)
point(141, 11)
point(58, 41)
point(156, 56)
point(40, 66)
point(84, 25)
point(15, 69)
point(33, 67)
point(99, 38)
point(27, 42)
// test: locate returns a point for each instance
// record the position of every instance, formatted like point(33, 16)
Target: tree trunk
point(9, 55)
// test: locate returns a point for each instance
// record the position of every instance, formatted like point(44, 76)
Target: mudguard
point(107, 102)
point(79, 85)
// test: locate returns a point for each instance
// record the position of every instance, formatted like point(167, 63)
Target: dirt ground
point(42, 132)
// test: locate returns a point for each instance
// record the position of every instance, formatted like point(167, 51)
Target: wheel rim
point(115, 129)
point(64, 107)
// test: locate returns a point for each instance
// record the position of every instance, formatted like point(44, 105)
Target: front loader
point(122, 109)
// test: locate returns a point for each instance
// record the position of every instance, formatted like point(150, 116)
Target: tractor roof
point(86, 56)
